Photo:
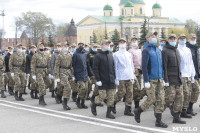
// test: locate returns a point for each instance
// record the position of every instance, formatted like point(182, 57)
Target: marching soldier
point(40, 69)
point(17, 69)
point(26, 78)
point(2, 74)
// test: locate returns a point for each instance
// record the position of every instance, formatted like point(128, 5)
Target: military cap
point(10, 47)
point(41, 43)
point(134, 37)
point(111, 44)
point(58, 44)
point(122, 39)
point(19, 44)
point(6, 49)
point(87, 45)
point(33, 46)
point(47, 48)
point(80, 43)
point(105, 41)
point(172, 35)
point(95, 44)
point(182, 35)
point(73, 45)
point(192, 35)
point(23, 47)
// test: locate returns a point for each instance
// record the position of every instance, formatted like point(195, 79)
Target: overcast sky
point(63, 10)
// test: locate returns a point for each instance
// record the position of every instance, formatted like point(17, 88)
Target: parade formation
point(165, 75)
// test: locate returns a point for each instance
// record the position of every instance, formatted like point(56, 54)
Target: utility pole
point(3, 32)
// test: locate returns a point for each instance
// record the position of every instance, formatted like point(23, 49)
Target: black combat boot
point(114, 109)
point(24, 91)
point(177, 119)
point(52, 94)
point(137, 104)
point(5, 88)
point(16, 96)
point(78, 103)
point(65, 106)
point(36, 95)
point(32, 94)
point(124, 99)
point(83, 104)
point(105, 101)
point(108, 114)
point(190, 109)
point(171, 110)
point(92, 99)
point(60, 98)
point(159, 123)
point(88, 96)
point(74, 96)
point(137, 113)
point(2, 94)
point(184, 114)
point(127, 111)
point(93, 108)
point(10, 91)
point(41, 101)
point(57, 98)
point(29, 85)
point(20, 97)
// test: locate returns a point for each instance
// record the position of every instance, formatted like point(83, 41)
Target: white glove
point(166, 84)
point(34, 77)
point(57, 80)
point(147, 85)
point(117, 82)
point(3, 74)
point(24, 74)
point(50, 76)
point(12, 74)
point(99, 83)
point(73, 78)
point(132, 81)
point(28, 75)
point(192, 80)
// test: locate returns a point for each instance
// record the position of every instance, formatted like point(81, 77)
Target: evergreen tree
point(143, 33)
point(198, 35)
point(115, 38)
point(50, 41)
point(106, 33)
point(163, 34)
point(94, 38)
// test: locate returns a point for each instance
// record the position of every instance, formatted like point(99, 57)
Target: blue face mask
point(19, 50)
point(162, 45)
point(193, 42)
point(107, 48)
point(73, 50)
point(94, 49)
point(65, 49)
point(173, 44)
point(154, 41)
point(182, 42)
point(86, 49)
point(111, 49)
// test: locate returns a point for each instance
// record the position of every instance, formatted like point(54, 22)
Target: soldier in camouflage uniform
point(40, 69)
point(26, 78)
point(152, 69)
point(5, 76)
point(17, 69)
point(2, 74)
point(63, 72)
point(172, 78)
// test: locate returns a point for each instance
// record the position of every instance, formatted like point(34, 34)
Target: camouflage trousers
point(42, 81)
point(155, 94)
point(19, 79)
point(95, 91)
point(82, 89)
point(174, 95)
point(186, 92)
point(194, 92)
point(11, 81)
point(1, 82)
point(108, 94)
point(64, 86)
point(6, 79)
point(73, 86)
point(33, 84)
point(125, 88)
point(138, 92)
point(50, 85)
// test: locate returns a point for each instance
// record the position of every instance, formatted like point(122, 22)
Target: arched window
point(140, 10)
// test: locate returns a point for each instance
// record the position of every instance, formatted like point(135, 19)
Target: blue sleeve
point(145, 61)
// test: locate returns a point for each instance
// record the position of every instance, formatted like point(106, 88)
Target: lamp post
point(148, 18)
point(3, 32)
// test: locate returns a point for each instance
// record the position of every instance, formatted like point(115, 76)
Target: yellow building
point(132, 14)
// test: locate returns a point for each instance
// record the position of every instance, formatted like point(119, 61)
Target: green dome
point(128, 4)
point(107, 7)
point(133, 1)
point(156, 6)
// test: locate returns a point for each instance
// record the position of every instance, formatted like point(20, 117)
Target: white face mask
point(59, 49)
point(11, 52)
point(23, 51)
point(134, 44)
point(122, 46)
point(47, 52)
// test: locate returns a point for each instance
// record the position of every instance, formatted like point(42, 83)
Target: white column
point(138, 32)
point(160, 31)
point(153, 29)
point(166, 32)
point(123, 32)
point(131, 32)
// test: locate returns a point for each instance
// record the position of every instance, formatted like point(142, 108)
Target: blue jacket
point(152, 67)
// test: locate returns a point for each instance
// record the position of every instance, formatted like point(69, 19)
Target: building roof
point(133, 1)
point(128, 4)
point(156, 6)
point(72, 30)
point(107, 7)
point(24, 35)
point(109, 19)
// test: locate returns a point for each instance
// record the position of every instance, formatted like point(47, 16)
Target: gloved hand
point(27, 75)
point(132, 81)
point(117, 82)
point(166, 84)
point(57, 80)
point(50, 76)
point(34, 77)
point(147, 85)
point(193, 80)
point(3, 74)
point(73, 78)
point(99, 83)
point(24, 74)
point(12, 74)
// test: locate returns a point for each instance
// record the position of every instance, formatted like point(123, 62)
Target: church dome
point(156, 6)
point(128, 4)
point(133, 1)
point(107, 7)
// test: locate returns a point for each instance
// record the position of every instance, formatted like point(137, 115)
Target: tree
point(163, 34)
point(143, 33)
point(18, 27)
point(61, 29)
point(115, 38)
point(50, 41)
point(198, 35)
point(190, 25)
point(179, 31)
point(106, 33)
point(37, 24)
point(94, 38)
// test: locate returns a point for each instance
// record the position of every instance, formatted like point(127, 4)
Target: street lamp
point(148, 18)
point(3, 32)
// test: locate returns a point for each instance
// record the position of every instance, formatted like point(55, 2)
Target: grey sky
point(64, 10)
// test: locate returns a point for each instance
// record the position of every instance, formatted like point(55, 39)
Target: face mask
point(11, 52)
point(23, 51)
point(154, 41)
point(59, 49)
point(193, 42)
point(81, 48)
point(111, 49)
point(173, 44)
point(162, 45)
point(65, 50)
point(86, 49)
point(47, 52)
point(107, 48)
point(94, 49)
point(41, 49)
point(73, 50)
point(122, 46)
point(182, 42)
point(134, 44)
point(19, 50)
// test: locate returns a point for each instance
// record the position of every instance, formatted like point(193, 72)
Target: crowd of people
point(166, 72)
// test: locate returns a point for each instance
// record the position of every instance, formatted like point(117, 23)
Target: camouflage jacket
point(2, 65)
point(63, 65)
point(40, 63)
point(17, 62)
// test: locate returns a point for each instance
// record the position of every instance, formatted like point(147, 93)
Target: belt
point(17, 66)
point(41, 66)
point(64, 67)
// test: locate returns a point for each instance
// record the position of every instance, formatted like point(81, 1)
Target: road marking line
point(92, 118)
point(74, 119)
